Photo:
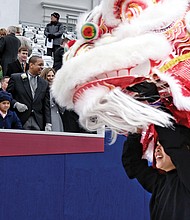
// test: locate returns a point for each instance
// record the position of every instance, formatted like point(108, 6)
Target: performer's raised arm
point(169, 183)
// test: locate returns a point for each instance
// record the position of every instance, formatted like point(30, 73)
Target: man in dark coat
point(31, 97)
point(58, 56)
point(54, 31)
point(9, 48)
point(20, 65)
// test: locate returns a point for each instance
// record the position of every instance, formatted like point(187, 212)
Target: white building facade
point(37, 12)
point(9, 13)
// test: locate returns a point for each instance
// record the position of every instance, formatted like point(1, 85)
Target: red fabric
point(181, 117)
point(70, 43)
point(30, 143)
point(122, 82)
point(150, 136)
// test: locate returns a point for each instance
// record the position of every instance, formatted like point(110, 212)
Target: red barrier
point(16, 142)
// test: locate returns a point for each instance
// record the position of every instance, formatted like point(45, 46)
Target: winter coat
point(10, 121)
point(56, 29)
point(8, 50)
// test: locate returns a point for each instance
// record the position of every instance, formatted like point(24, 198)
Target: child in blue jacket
point(8, 118)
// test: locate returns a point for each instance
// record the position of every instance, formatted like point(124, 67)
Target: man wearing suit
point(31, 97)
point(9, 45)
point(20, 65)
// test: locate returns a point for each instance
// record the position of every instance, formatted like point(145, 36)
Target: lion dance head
point(129, 67)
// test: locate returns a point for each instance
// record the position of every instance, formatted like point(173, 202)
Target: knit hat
point(5, 96)
point(56, 15)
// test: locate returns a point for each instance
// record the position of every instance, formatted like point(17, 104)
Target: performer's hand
point(20, 107)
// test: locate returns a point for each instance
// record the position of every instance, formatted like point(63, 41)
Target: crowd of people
point(26, 100)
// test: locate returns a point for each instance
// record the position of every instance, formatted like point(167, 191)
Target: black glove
point(51, 36)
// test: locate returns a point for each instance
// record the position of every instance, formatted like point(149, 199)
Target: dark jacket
point(10, 121)
point(170, 190)
point(71, 123)
point(58, 58)
point(8, 50)
point(20, 89)
point(55, 29)
point(15, 67)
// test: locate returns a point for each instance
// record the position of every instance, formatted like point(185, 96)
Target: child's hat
point(5, 96)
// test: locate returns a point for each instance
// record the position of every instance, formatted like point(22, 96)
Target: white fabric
point(3, 114)
point(118, 111)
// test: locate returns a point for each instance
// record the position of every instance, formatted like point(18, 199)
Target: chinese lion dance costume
point(129, 67)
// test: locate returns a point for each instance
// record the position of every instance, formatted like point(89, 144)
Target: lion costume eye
point(90, 31)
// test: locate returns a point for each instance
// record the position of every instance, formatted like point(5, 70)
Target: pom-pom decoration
point(90, 31)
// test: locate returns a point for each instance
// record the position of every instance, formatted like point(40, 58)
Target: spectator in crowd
point(69, 119)
point(31, 98)
point(9, 48)
point(57, 124)
point(58, 57)
point(71, 122)
point(1, 72)
point(8, 118)
point(20, 65)
point(4, 83)
point(25, 42)
point(3, 32)
point(53, 32)
point(170, 182)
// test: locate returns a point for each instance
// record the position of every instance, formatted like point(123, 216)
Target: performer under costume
point(129, 71)
point(170, 190)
